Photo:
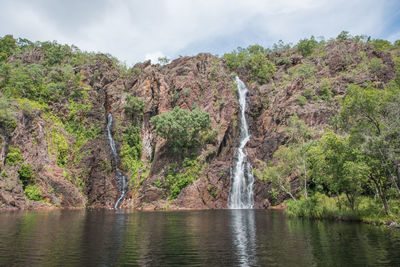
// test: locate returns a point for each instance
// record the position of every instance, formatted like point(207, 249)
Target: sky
point(136, 30)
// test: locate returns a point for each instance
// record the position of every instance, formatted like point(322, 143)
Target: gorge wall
point(74, 167)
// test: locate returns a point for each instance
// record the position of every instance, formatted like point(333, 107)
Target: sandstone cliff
point(44, 133)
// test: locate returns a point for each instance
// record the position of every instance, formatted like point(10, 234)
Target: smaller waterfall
point(241, 194)
point(121, 179)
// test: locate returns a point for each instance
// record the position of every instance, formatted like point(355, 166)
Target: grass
point(320, 206)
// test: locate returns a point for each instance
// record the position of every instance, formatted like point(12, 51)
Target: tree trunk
point(288, 192)
point(394, 183)
point(382, 195)
point(340, 204)
point(398, 172)
point(305, 179)
point(351, 201)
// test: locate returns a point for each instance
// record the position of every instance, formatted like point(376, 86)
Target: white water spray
point(241, 193)
point(121, 179)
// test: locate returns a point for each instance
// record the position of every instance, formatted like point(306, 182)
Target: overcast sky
point(137, 30)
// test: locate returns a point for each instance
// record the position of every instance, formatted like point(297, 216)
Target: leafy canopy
point(252, 60)
point(181, 128)
point(306, 46)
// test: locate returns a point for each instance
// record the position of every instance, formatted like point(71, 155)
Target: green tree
point(371, 117)
point(252, 60)
point(8, 45)
point(163, 60)
point(343, 35)
point(26, 174)
point(25, 81)
point(307, 46)
point(7, 122)
point(278, 174)
point(55, 53)
point(300, 134)
point(181, 128)
point(261, 68)
point(381, 45)
point(339, 166)
point(134, 108)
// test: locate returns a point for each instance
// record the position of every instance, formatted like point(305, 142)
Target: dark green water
point(190, 238)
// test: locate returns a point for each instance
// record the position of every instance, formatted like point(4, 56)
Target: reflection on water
point(190, 238)
point(244, 235)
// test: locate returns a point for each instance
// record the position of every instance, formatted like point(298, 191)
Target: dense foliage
point(181, 128)
point(351, 169)
point(179, 178)
point(252, 60)
point(41, 84)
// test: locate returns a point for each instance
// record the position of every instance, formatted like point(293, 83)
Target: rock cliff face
point(203, 82)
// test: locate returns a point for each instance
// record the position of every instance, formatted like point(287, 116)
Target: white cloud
point(135, 30)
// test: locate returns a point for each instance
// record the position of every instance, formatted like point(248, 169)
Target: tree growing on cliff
point(253, 61)
point(306, 46)
point(7, 47)
point(181, 128)
point(134, 109)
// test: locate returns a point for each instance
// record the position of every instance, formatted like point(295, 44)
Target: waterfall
point(121, 179)
point(241, 193)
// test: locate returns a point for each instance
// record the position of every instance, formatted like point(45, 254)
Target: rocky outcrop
point(203, 82)
point(188, 82)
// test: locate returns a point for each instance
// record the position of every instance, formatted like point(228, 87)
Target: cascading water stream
point(121, 179)
point(241, 193)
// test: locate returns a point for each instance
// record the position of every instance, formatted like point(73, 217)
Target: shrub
point(26, 175)
point(27, 108)
point(33, 193)
point(396, 44)
point(317, 206)
point(273, 196)
point(134, 108)
point(303, 71)
point(60, 146)
point(7, 122)
point(324, 91)
point(375, 66)
point(177, 181)
point(131, 151)
point(381, 45)
point(309, 93)
point(307, 46)
point(13, 156)
point(301, 100)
